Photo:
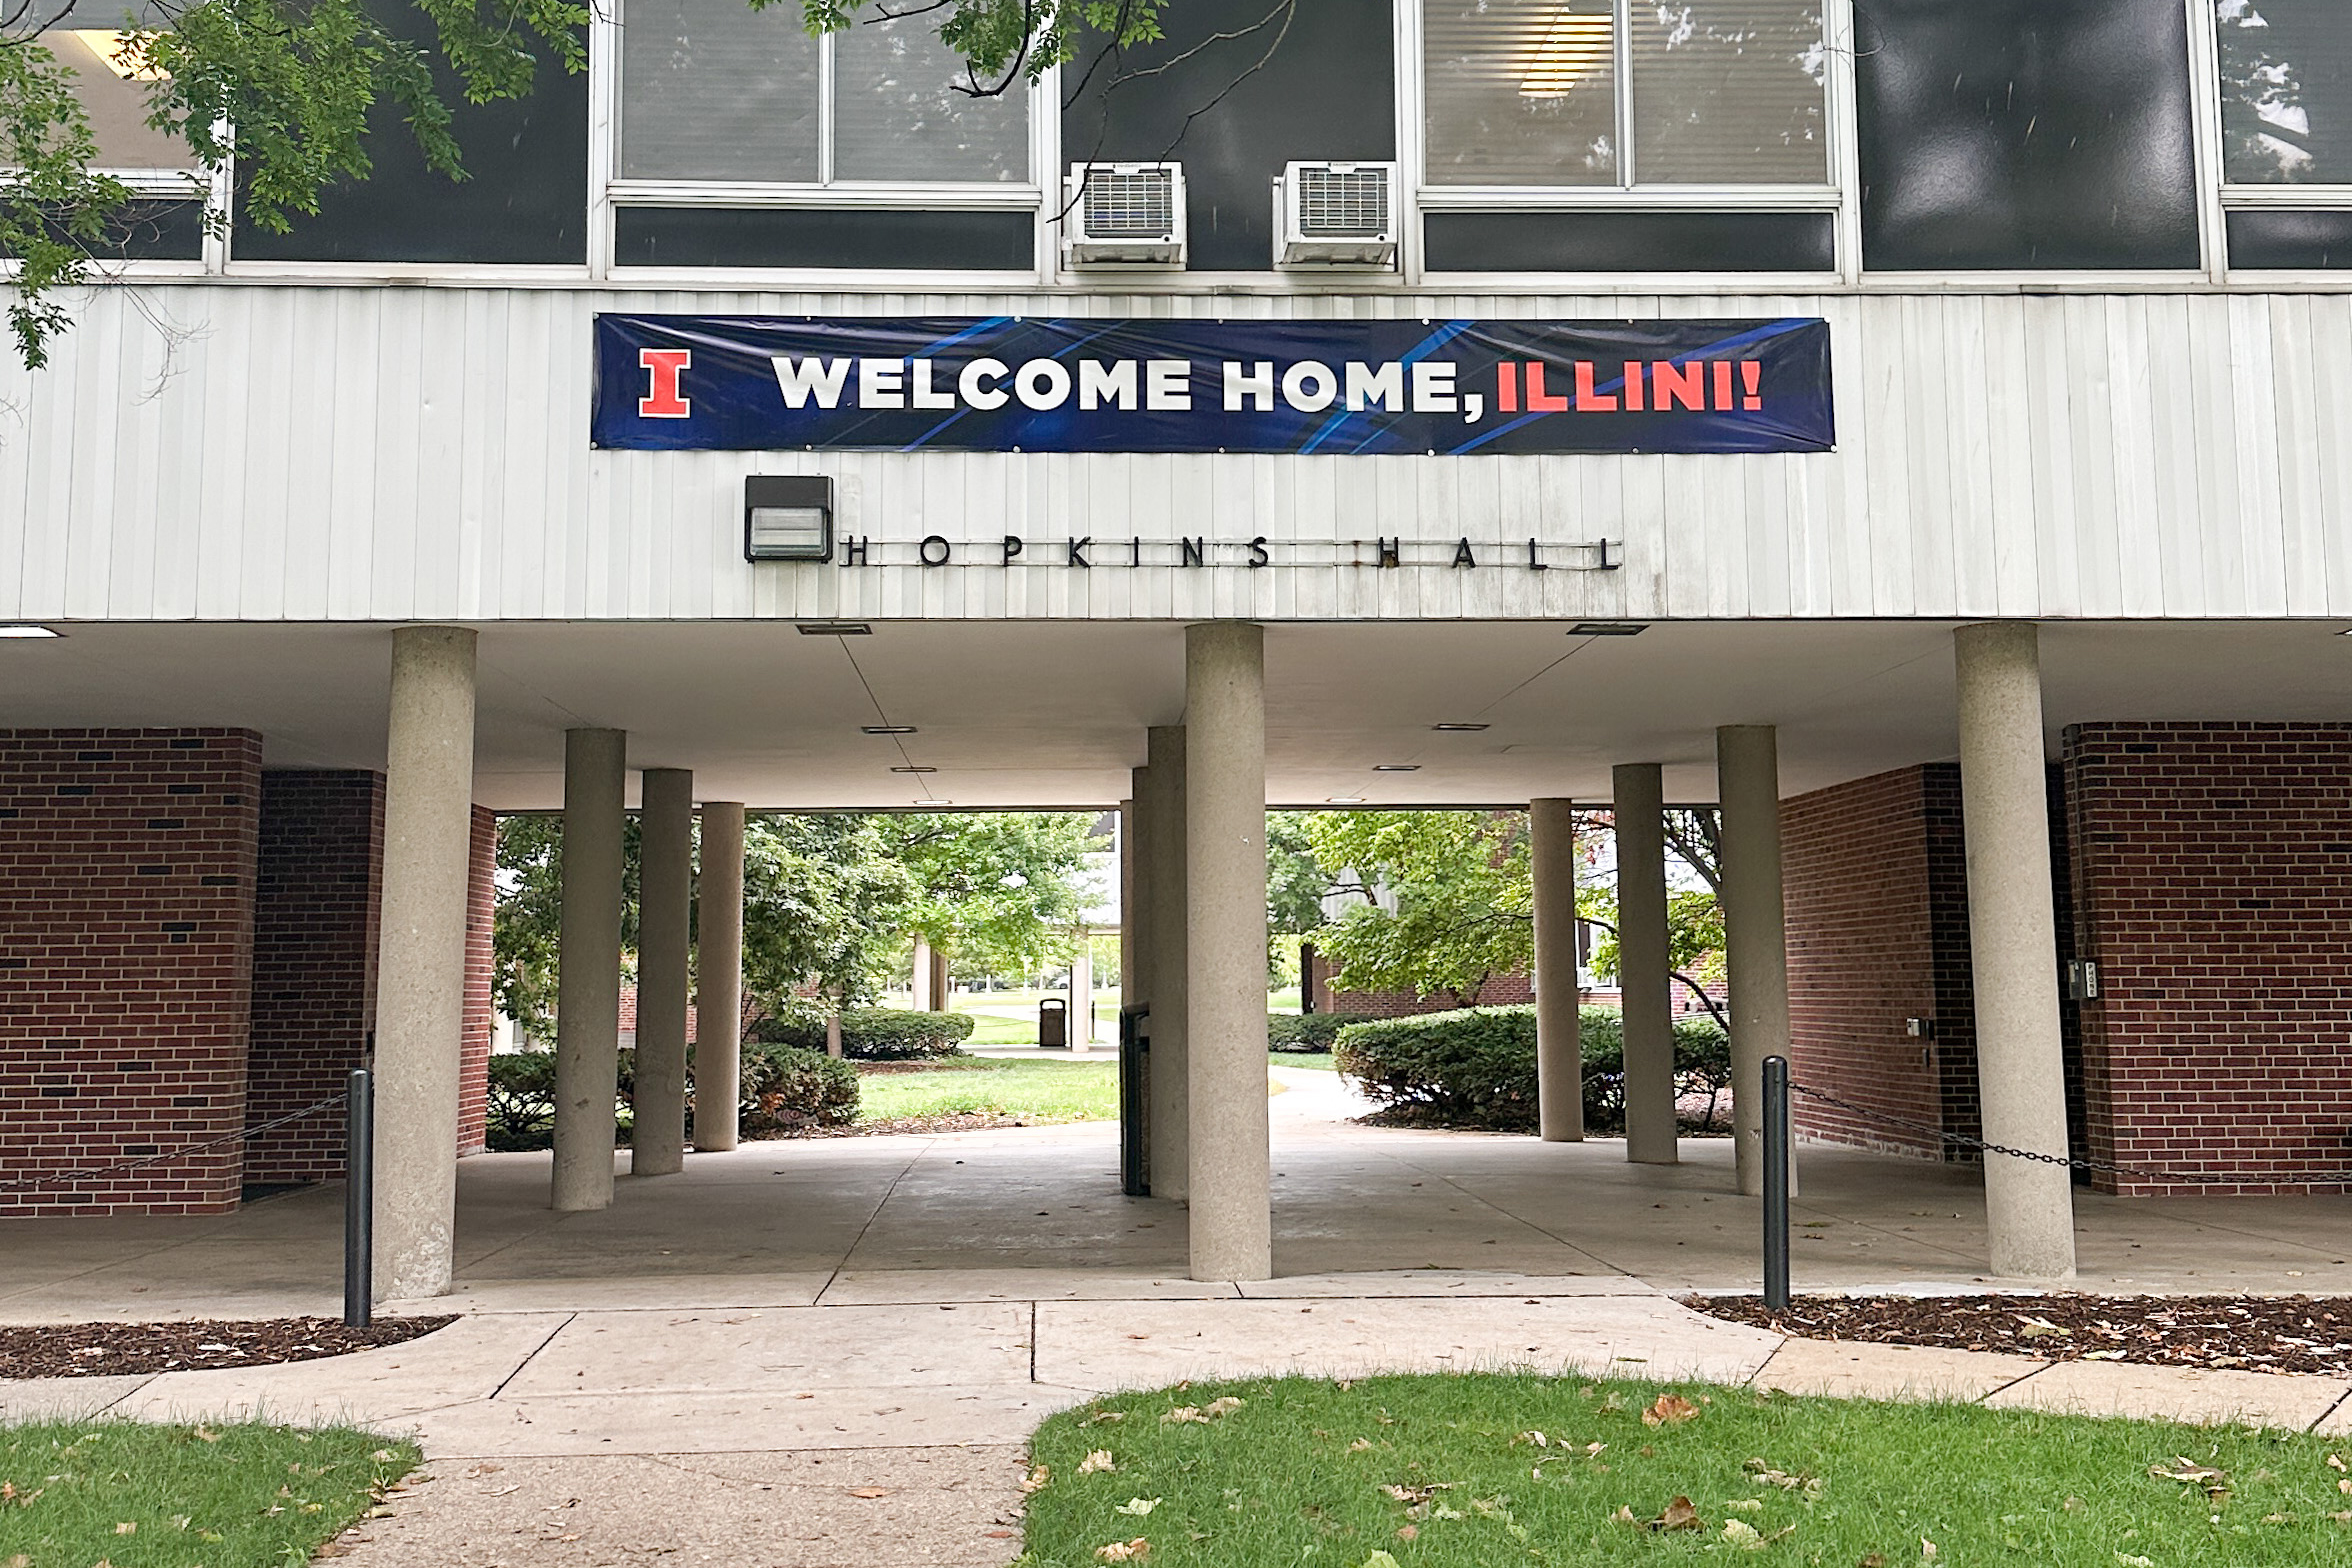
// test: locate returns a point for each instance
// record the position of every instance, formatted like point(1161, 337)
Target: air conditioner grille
point(1343, 204)
point(1123, 204)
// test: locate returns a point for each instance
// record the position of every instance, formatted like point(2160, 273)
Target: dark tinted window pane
point(713, 90)
point(2025, 134)
point(524, 201)
point(2306, 241)
point(916, 241)
point(1630, 241)
point(898, 116)
point(151, 230)
point(2286, 90)
point(1326, 90)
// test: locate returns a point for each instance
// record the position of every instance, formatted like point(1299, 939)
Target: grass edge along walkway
point(225, 1495)
point(1485, 1469)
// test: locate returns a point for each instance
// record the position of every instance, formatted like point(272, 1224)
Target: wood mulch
point(2300, 1335)
point(111, 1349)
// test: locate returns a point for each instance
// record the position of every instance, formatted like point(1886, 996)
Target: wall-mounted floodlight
point(787, 517)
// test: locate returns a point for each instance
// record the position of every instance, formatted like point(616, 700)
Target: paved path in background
point(890, 1433)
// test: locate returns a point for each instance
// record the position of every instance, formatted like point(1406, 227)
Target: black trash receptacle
point(1053, 1024)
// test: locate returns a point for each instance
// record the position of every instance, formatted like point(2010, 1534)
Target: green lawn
point(1451, 1472)
point(1318, 1060)
point(73, 1494)
point(1038, 1091)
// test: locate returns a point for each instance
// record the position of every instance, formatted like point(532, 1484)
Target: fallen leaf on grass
point(1221, 1407)
point(1927, 1549)
point(1771, 1475)
point(1669, 1410)
point(1096, 1462)
point(1137, 1506)
point(1035, 1480)
point(1133, 1551)
point(1101, 1416)
point(1361, 1445)
point(1537, 1438)
point(2189, 1472)
point(1678, 1515)
point(869, 1491)
point(2126, 1560)
point(1408, 1532)
point(2335, 1462)
point(128, 1527)
point(1746, 1505)
point(1380, 1560)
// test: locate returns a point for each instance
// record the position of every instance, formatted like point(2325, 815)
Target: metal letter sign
point(1011, 384)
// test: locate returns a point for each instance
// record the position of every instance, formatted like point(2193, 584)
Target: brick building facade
point(188, 948)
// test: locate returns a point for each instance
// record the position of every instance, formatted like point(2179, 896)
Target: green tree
point(288, 89)
point(1001, 892)
point(1450, 904)
point(1694, 915)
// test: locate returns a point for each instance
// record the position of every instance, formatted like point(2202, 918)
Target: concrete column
point(665, 915)
point(718, 978)
point(1642, 967)
point(1131, 945)
point(421, 956)
point(1165, 934)
point(1755, 929)
point(921, 999)
point(588, 974)
point(2013, 948)
point(1082, 995)
point(1559, 1065)
point(1225, 950)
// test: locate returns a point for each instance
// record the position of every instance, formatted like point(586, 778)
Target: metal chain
point(64, 1178)
point(2170, 1178)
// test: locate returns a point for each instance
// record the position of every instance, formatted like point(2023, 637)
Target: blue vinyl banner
point(1018, 384)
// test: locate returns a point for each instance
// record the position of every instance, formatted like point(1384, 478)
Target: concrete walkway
point(830, 1353)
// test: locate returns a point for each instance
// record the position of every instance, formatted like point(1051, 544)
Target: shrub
point(519, 1113)
point(875, 1034)
point(787, 1089)
point(1313, 1032)
point(1476, 1068)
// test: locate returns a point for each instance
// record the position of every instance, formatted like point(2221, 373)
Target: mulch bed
point(110, 1349)
point(2301, 1335)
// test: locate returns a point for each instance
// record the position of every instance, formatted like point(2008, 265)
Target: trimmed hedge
point(1307, 1032)
point(1475, 1068)
point(875, 1034)
point(784, 1089)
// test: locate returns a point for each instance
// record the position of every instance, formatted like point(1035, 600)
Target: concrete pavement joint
point(849, 1253)
point(533, 1353)
point(2321, 1419)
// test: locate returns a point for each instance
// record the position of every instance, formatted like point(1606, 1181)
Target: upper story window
point(1565, 93)
point(2286, 91)
point(714, 91)
point(111, 87)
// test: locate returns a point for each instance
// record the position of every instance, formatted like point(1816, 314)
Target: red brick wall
point(126, 948)
point(316, 911)
point(1499, 991)
point(473, 1072)
point(2213, 887)
point(1868, 940)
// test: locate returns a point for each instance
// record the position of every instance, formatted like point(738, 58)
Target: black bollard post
point(1776, 1183)
point(359, 1202)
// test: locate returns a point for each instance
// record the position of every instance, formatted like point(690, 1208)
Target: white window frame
point(1838, 196)
point(2223, 196)
point(613, 191)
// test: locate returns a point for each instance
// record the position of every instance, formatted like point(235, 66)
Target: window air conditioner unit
point(1336, 215)
point(1124, 214)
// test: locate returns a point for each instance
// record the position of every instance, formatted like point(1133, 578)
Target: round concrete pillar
point(718, 978)
point(1164, 932)
point(1225, 950)
point(921, 984)
point(665, 915)
point(588, 974)
point(421, 956)
point(1755, 929)
point(1643, 972)
point(1559, 1065)
point(2013, 948)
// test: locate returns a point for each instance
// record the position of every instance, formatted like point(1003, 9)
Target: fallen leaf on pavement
point(1669, 1410)
point(869, 1491)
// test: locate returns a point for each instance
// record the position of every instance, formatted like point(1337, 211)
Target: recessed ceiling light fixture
point(914, 768)
point(1608, 629)
point(1460, 728)
point(834, 629)
point(887, 729)
point(1396, 767)
point(29, 633)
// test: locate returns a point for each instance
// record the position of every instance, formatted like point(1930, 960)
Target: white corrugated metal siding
point(250, 452)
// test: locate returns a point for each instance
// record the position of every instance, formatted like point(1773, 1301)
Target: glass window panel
point(113, 94)
point(2286, 90)
point(897, 115)
point(713, 90)
point(1520, 92)
point(1728, 92)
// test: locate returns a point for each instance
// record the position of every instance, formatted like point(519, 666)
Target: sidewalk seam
point(857, 1241)
point(2329, 1411)
point(1750, 1380)
point(2022, 1377)
point(569, 1319)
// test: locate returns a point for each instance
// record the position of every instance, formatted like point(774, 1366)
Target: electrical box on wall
point(1336, 215)
point(1124, 215)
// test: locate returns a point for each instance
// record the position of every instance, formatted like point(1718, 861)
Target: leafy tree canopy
point(1452, 902)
